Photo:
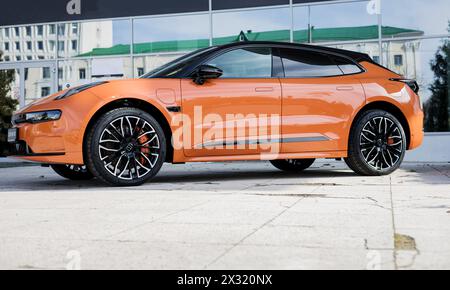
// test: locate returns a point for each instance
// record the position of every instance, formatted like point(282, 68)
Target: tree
point(7, 106)
point(437, 107)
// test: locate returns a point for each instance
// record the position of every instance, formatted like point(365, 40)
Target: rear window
point(306, 64)
point(346, 65)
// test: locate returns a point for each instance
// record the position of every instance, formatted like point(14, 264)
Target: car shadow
point(245, 175)
point(185, 178)
point(51, 182)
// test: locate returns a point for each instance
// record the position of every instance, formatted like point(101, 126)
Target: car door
point(320, 99)
point(237, 113)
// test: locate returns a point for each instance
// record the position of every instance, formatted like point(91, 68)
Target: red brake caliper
point(390, 141)
point(145, 151)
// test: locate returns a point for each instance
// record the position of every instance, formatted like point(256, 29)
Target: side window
point(305, 64)
point(245, 63)
point(346, 65)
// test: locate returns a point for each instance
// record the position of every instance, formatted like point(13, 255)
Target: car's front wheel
point(73, 172)
point(377, 144)
point(126, 147)
point(293, 165)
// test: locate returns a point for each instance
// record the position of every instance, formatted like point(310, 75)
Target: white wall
point(436, 148)
point(95, 35)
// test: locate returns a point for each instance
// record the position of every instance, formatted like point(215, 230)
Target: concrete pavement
point(228, 216)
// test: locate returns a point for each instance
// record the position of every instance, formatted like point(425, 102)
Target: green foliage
point(7, 106)
point(437, 108)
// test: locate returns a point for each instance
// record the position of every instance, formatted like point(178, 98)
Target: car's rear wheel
point(73, 172)
point(377, 144)
point(293, 165)
point(126, 147)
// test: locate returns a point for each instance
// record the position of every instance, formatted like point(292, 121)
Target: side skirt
point(256, 157)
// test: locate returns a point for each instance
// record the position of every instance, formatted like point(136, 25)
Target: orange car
point(282, 102)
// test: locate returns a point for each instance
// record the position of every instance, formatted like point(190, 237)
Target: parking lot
point(228, 216)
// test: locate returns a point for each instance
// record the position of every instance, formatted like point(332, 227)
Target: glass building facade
point(411, 37)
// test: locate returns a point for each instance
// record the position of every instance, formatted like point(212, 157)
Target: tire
point(73, 172)
point(293, 165)
point(377, 144)
point(125, 147)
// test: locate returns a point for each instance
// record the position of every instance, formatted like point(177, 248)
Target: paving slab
point(236, 215)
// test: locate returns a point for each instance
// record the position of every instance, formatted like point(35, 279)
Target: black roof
point(356, 56)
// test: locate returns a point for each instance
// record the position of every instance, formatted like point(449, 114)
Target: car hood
point(140, 88)
point(40, 101)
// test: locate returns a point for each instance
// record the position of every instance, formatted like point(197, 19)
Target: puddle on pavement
point(405, 243)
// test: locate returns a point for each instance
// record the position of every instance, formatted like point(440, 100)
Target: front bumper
point(21, 149)
point(56, 141)
point(41, 138)
point(52, 142)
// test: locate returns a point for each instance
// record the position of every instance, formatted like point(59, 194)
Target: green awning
point(301, 36)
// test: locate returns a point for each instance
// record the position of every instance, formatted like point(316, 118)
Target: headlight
point(77, 90)
point(37, 117)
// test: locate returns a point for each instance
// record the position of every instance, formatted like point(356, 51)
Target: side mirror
point(206, 72)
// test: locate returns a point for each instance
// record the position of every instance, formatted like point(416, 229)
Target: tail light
point(411, 83)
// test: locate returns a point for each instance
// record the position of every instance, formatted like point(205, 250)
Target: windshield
point(172, 68)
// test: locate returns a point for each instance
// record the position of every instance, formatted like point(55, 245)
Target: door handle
point(264, 89)
point(345, 88)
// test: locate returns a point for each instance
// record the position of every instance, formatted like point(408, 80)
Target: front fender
point(147, 93)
